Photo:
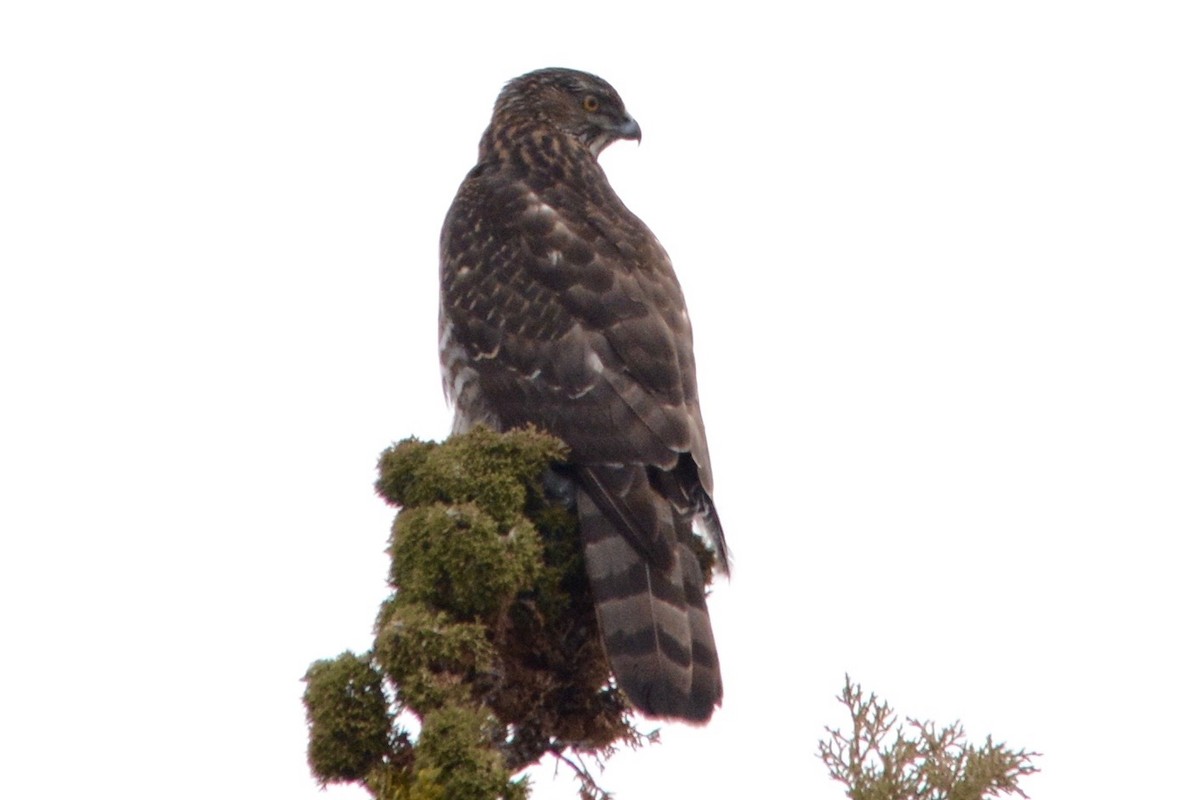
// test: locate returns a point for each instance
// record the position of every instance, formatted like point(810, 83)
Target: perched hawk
point(559, 308)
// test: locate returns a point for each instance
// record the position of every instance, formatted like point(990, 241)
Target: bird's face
point(581, 105)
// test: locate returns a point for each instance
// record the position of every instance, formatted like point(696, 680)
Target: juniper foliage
point(488, 640)
point(881, 759)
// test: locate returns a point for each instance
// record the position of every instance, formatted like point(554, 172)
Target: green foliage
point(489, 638)
point(348, 718)
point(458, 559)
point(881, 760)
point(456, 755)
point(426, 654)
point(494, 471)
point(489, 641)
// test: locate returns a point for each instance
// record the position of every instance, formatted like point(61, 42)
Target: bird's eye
point(591, 104)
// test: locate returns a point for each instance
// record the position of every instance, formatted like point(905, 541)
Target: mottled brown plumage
point(559, 308)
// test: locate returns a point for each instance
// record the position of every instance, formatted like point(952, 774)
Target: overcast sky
point(943, 264)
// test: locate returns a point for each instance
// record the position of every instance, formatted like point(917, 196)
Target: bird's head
point(578, 104)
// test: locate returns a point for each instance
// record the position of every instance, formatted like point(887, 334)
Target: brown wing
point(565, 313)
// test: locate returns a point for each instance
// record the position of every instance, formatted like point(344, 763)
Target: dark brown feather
point(560, 308)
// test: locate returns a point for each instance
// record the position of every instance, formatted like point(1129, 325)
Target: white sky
point(943, 260)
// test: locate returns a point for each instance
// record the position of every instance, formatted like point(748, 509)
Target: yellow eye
point(591, 104)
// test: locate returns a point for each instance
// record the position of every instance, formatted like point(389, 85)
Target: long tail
point(652, 612)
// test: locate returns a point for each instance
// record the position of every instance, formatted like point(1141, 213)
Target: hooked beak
point(629, 129)
point(601, 137)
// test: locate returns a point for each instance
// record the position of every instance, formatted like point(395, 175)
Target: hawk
point(559, 308)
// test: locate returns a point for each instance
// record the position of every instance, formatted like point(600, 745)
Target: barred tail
point(653, 616)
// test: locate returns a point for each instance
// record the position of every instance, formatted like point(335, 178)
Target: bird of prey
point(559, 308)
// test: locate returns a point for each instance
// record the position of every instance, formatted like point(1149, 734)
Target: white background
point(942, 260)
